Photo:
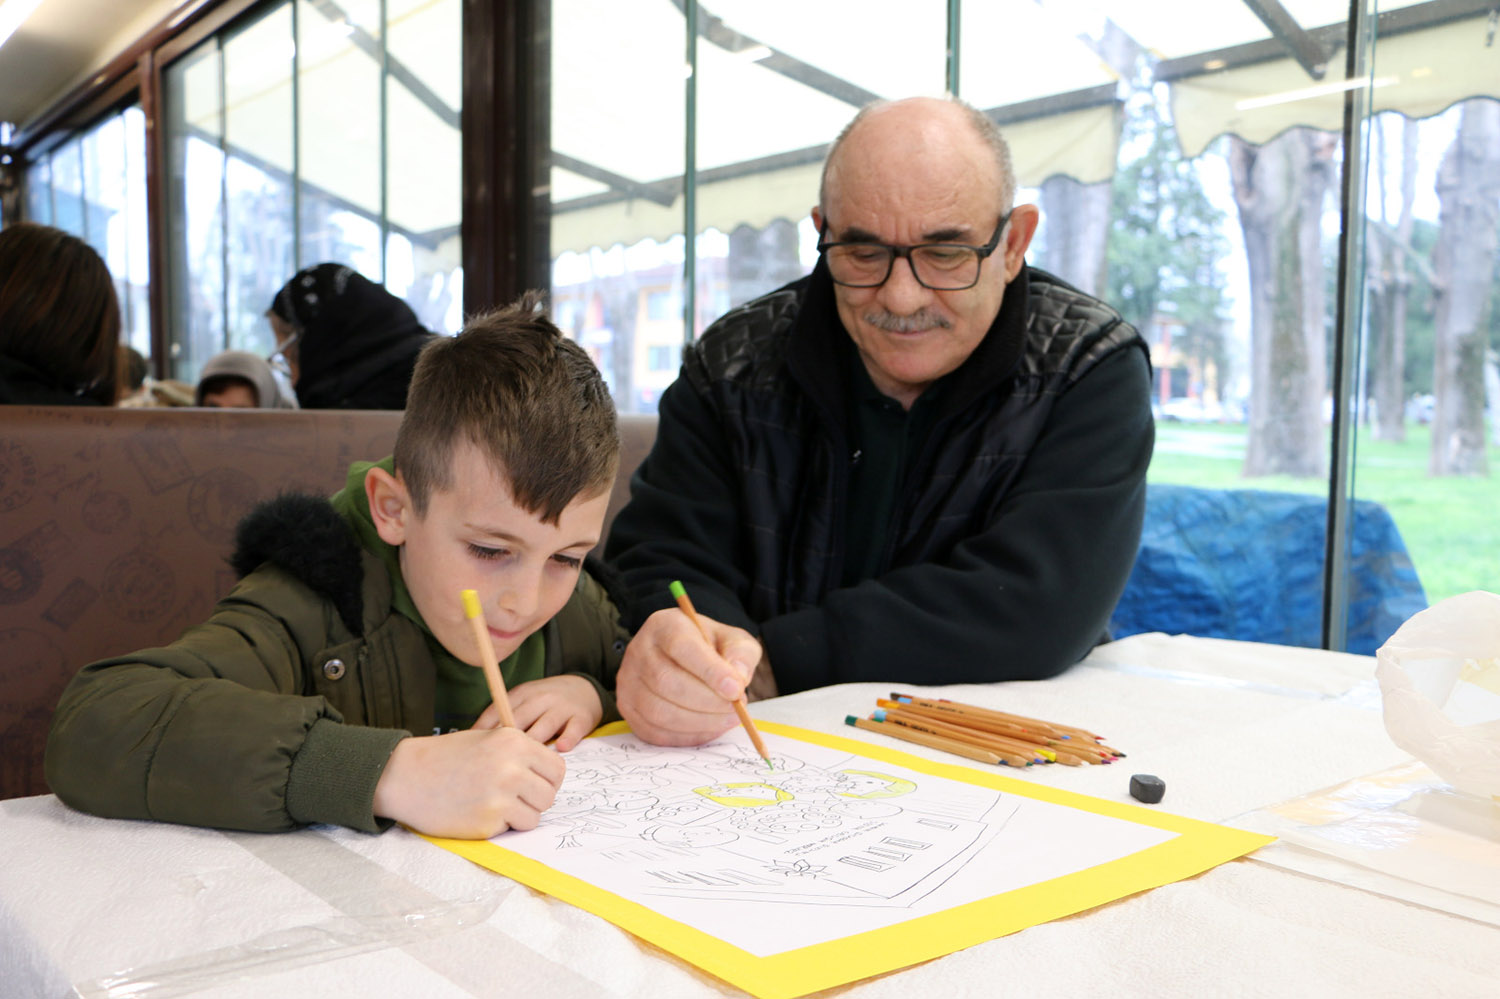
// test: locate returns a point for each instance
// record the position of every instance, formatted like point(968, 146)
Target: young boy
point(336, 682)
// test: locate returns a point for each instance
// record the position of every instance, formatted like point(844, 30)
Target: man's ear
point(390, 505)
point(817, 218)
point(1023, 222)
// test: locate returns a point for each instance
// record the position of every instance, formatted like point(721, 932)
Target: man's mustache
point(922, 319)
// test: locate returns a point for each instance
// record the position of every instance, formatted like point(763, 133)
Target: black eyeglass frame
point(897, 252)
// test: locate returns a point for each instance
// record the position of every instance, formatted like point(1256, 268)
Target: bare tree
point(1279, 189)
point(1077, 231)
point(1468, 187)
point(1390, 282)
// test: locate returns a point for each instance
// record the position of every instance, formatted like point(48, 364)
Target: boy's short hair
point(530, 399)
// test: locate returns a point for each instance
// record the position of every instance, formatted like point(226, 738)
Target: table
point(97, 907)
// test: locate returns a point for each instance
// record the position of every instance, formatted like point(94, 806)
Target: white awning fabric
point(1419, 73)
point(775, 82)
point(1080, 144)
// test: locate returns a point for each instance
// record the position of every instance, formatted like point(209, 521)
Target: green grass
point(1451, 526)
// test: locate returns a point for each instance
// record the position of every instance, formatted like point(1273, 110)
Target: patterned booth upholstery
point(116, 524)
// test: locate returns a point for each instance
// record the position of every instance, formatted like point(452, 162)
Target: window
point(314, 132)
point(661, 358)
point(93, 185)
point(1168, 155)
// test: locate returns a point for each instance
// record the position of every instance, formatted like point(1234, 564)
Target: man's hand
point(469, 785)
point(674, 688)
point(566, 708)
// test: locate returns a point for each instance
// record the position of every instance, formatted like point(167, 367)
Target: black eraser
point(1147, 787)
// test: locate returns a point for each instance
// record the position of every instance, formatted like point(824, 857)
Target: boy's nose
point(520, 596)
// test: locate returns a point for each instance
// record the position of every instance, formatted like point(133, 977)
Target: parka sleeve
point(213, 729)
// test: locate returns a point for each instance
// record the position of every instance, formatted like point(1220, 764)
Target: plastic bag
point(1439, 680)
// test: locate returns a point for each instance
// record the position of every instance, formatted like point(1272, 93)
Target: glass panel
point(195, 206)
point(338, 129)
point(39, 191)
point(1427, 417)
point(68, 212)
point(259, 227)
point(133, 274)
point(617, 126)
point(424, 151)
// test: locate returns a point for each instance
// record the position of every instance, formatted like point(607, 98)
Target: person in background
point(133, 371)
point(238, 379)
point(59, 320)
point(923, 463)
point(346, 341)
point(337, 681)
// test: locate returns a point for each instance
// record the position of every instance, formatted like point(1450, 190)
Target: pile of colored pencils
point(984, 734)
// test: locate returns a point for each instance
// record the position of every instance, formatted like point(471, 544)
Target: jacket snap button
point(334, 669)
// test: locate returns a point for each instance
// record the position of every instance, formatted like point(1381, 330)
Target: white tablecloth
point(124, 908)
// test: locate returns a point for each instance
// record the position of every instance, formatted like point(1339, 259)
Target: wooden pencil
point(1016, 756)
point(961, 707)
point(679, 593)
point(1078, 750)
point(487, 661)
point(1034, 725)
point(970, 721)
point(924, 739)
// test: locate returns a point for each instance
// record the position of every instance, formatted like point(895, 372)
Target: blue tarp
point(1248, 564)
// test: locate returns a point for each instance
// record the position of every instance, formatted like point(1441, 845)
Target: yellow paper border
point(1197, 847)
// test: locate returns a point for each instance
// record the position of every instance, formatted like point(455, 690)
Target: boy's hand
point(469, 785)
point(674, 688)
point(566, 708)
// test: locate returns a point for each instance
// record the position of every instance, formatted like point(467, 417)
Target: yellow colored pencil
point(487, 662)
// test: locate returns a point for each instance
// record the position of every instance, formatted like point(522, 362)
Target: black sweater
point(1014, 533)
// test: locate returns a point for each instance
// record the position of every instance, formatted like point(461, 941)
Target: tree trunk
point(762, 260)
point(1077, 218)
point(1279, 189)
point(1468, 188)
point(1390, 282)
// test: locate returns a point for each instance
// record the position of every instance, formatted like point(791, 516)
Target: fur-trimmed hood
point(308, 538)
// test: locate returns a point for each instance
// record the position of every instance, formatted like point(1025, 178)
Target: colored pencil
point(679, 592)
point(969, 721)
point(487, 661)
point(989, 740)
point(923, 739)
point(1065, 731)
point(1035, 725)
point(1002, 731)
point(1012, 754)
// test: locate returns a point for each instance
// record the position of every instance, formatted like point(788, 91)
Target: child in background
point(336, 682)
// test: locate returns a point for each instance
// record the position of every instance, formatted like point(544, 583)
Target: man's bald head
point(882, 122)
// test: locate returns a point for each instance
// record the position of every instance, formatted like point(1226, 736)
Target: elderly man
point(923, 463)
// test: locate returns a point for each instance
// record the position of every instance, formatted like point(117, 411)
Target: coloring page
point(823, 842)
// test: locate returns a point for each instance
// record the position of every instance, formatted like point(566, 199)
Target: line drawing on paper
point(715, 822)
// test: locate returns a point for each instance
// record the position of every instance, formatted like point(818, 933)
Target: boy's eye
point(570, 561)
point(479, 551)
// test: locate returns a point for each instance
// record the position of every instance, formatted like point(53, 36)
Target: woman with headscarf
point(347, 342)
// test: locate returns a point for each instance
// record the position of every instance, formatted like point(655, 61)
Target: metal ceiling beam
point(1390, 23)
point(714, 30)
point(1310, 54)
point(661, 192)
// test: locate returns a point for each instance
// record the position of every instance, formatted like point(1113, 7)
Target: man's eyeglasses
point(939, 266)
point(278, 359)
